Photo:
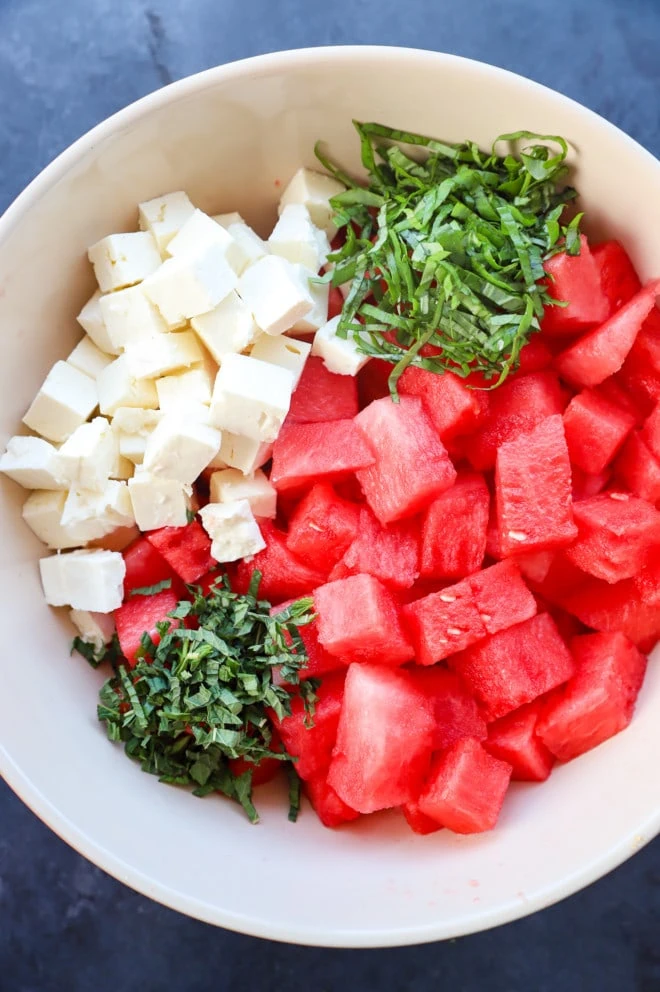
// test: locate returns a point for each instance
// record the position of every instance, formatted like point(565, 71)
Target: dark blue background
point(64, 66)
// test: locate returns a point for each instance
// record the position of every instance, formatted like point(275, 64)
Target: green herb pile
point(199, 697)
point(448, 249)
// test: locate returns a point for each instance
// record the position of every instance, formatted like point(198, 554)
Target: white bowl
point(230, 137)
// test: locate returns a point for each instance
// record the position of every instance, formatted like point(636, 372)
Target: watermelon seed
point(455, 632)
point(447, 598)
point(623, 497)
point(517, 535)
point(485, 617)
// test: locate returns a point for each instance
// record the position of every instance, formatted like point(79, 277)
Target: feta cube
point(65, 400)
point(201, 232)
point(285, 352)
point(133, 427)
point(295, 238)
point(130, 317)
point(340, 355)
point(132, 447)
point(91, 514)
point(184, 389)
point(249, 247)
point(230, 484)
point(314, 190)
point(42, 512)
point(123, 467)
point(86, 580)
point(228, 328)
point(251, 397)
point(164, 216)
point(122, 260)
point(244, 453)
point(158, 502)
point(191, 284)
point(87, 358)
point(96, 629)
point(320, 293)
point(233, 530)
point(161, 354)
point(33, 463)
point(118, 387)
point(180, 448)
point(224, 220)
point(275, 293)
point(91, 320)
point(89, 455)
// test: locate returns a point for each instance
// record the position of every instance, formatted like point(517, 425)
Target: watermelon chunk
point(186, 549)
point(322, 527)
point(631, 606)
point(533, 490)
point(617, 534)
point(306, 453)
point(144, 566)
point(443, 623)
point(640, 375)
point(599, 700)
point(454, 530)
point(262, 771)
point(372, 380)
point(322, 395)
point(650, 432)
point(515, 408)
point(614, 391)
point(595, 430)
point(618, 278)
point(330, 809)
point(390, 554)
point(585, 486)
point(603, 351)
point(534, 356)
point(139, 615)
point(466, 788)
point(313, 745)
point(451, 406)
point(319, 662)
point(513, 739)
point(574, 279)
point(283, 576)
point(501, 597)
point(515, 666)
point(359, 621)
point(384, 739)
point(412, 465)
point(456, 712)
point(419, 822)
point(638, 469)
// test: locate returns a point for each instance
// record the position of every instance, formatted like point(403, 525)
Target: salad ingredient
point(595, 430)
point(314, 191)
point(158, 502)
point(250, 397)
point(233, 530)
point(574, 278)
point(228, 484)
point(164, 216)
point(283, 576)
point(66, 399)
point(86, 580)
point(286, 352)
point(296, 238)
point(456, 712)
point(340, 354)
point(390, 554)
point(452, 407)
point(617, 536)
point(322, 527)
point(321, 395)
point(514, 739)
point(33, 463)
point(276, 292)
point(329, 451)
point(454, 530)
point(122, 260)
point(187, 551)
point(618, 278)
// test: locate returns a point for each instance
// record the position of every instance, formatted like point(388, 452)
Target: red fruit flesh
point(307, 453)
point(321, 395)
point(466, 788)
point(390, 554)
point(575, 279)
point(186, 549)
point(454, 530)
point(455, 710)
point(617, 535)
point(283, 576)
point(322, 527)
point(513, 739)
point(595, 431)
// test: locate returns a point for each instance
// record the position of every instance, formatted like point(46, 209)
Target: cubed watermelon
point(452, 407)
point(335, 301)
point(307, 453)
point(390, 554)
point(650, 432)
point(617, 534)
point(330, 809)
point(454, 529)
point(443, 623)
point(412, 465)
point(599, 700)
point(511, 668)
point(595, 430)
point(322, 527)
point(631, 606)
point(640, 375)
point(372, 380)
point(513, 739)
point(535, 567)
point(574, 279)
point(139, 615)
point(419, 822)
point(613, 390)
point(319, 661)
point(618, 278)
point(638, 469)
point(186, 549)
point(384, 739)
point(585, 486)
point(501, 596)
point(283, 576)
point(456, 712)
point(322, 395)
point(466, 788)
point(312, 745)
point(533, 490)
point(359, 621)
point(534, 356)
point(515, 408)
point(262, 771)
point(144, 566)
point(602, 352)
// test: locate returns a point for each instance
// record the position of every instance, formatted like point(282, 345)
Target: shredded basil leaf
point(151, 590)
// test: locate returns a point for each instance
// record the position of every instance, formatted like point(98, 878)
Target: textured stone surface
point(64, 925)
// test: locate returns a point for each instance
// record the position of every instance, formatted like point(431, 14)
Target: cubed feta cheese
point(86, 580)
point(314, 190)
point(228, 328)
point(133, 427)
point(230, 484)
point(122, 260)
point(285, 352)
point(188, 285)
point(184, 390)
point(296, 238)
point(130, 317)
point(42, 512)
point(164, 216)
point(275, 293)
point(65, 400)
point(201, 232)
point(123, 467)
point(180, 448)
point(118, 387)
point(224, 220)
point(33, 463)
point(251, 397)
point(132, 447)
point(89, 455)
point(340, 355)
point(96, 629)
point(91, 514)
point(233, 530)
point(162, 354)
point(249, 246)
point(91, 320)
point(320, 293)
point(87, 358)
point(244, 453)
point(158, 502)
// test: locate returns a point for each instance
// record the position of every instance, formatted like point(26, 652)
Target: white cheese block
point(248, 246)
point(233, 530)
point(340, 355)
point(201, 232)
point(158, 502)
point(118, 387)
point(164, 216)
point(283, 351)
point(88, 358)
point(230, 484)
point(224, 220)
point(320, 293)
point(42, 512)
point(190, 284)
point(88, 457)
point(244, 453)
point(275, 293)
point(90, 514)
point(295, 238)
point(228, 328)
point(122, 260)
point(33, 463)
point(65, 400)
point(130, 317)
point(314, 190)
point(184, 390)
point(91, 320)
point(86, 580)
point(251, 397)
point(180, 448)
point(161, 354)
point(96, 629)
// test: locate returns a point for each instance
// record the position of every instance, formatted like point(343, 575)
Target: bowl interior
point(231, 137)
